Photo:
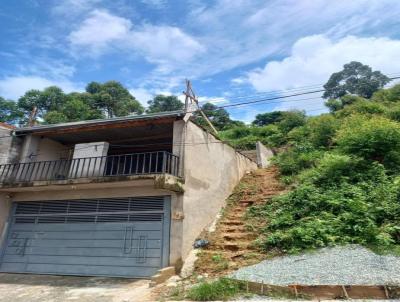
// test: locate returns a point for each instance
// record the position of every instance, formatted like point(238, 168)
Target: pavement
point(46, 288)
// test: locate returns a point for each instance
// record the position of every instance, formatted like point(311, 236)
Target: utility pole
point(32, 117)
point(190, 95)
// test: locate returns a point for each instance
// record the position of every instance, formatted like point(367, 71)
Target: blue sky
point(227, 48)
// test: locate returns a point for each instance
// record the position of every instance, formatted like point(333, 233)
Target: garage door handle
point(128, 236)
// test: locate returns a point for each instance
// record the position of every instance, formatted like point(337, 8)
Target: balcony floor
point(159, 181)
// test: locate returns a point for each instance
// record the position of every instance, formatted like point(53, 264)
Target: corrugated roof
point(4, 125)
point(152, 116)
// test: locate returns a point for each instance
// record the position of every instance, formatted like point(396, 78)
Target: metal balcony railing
point(91, 167)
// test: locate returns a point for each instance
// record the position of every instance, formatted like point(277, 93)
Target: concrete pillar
point(86, 167)
point(30, 147)
point(264, 155)
point(5, 206)
point(178, 143)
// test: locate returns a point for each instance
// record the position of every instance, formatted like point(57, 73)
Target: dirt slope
point(232, 244)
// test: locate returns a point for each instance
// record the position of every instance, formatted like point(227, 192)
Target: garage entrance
point(121, 237)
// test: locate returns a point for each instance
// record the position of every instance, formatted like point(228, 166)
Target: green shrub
point(387, 95)
point(296, 159)
point(318, 131)
point(221, 289)
point(394, 113)
point(363, 107)
point(312, 217)
point(236, 132)
point(373, 138)
point(291, 120)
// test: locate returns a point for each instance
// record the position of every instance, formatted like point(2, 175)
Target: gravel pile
point(346, 265)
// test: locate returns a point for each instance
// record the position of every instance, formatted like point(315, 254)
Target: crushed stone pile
point(344, 265)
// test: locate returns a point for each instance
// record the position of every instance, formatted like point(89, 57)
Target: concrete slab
point(44, 288)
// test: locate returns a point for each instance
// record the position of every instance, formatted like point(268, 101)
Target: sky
point(231, 50)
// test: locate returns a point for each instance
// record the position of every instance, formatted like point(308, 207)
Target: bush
point(387, 95)
point(363, 107)
point(296, 159)
point(373, 138)
point(221, 289)
point(313, 216)
point(245, 137)
point(318, 131)
point(394, 113)
point(291, 120)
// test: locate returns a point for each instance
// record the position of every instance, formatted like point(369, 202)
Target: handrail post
point(164, 166)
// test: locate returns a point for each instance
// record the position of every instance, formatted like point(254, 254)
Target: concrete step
point(237, 236)
point(232, 222)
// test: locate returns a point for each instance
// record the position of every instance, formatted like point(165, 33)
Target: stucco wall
point(212, 169)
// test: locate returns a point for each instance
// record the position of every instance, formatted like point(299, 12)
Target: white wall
point(212, 169)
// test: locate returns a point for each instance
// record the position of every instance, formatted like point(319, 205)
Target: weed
point(220, 289)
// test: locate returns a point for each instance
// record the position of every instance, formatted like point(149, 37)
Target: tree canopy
point(113, 99)
point(219, 117)
point(267, 118)
point(355, 78)
point(53, 106)
point(162, 103)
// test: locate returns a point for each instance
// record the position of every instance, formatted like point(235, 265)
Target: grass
point(220, 289)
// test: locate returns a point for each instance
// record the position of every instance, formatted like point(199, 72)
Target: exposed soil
point(232, 244)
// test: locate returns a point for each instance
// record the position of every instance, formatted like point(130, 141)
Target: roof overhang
point(93, 125)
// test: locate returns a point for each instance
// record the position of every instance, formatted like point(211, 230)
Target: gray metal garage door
point(125, 237)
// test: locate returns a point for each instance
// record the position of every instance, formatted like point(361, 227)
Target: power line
point(270, 99)
point(300, 88)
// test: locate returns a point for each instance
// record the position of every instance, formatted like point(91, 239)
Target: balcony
point(113, 166)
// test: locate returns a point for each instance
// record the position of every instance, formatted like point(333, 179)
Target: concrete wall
point(212, 169)
point(10, 146)
point(50, 150)
point(264, 155)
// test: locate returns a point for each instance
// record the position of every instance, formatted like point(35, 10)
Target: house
point(114, 197)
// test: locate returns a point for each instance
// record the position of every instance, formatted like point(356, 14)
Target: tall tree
point(162, 103)
point(9, 112)
point(114, 99)
point(219, 117)
point(267, 118)
point(50, 99)
point(355, 78)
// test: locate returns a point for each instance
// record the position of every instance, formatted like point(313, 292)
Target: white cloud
point(67, 8)
point(166, 46)
point(213, 100)
point(99, 31)
point(314, 58)
point(15, 86)
point(142, 95)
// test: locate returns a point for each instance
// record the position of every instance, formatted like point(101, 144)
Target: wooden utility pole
point(32, 117)
point(190, 95)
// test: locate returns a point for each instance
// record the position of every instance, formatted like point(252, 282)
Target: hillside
point(342, 171)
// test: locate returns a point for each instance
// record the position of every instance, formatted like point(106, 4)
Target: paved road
point(42, 288)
